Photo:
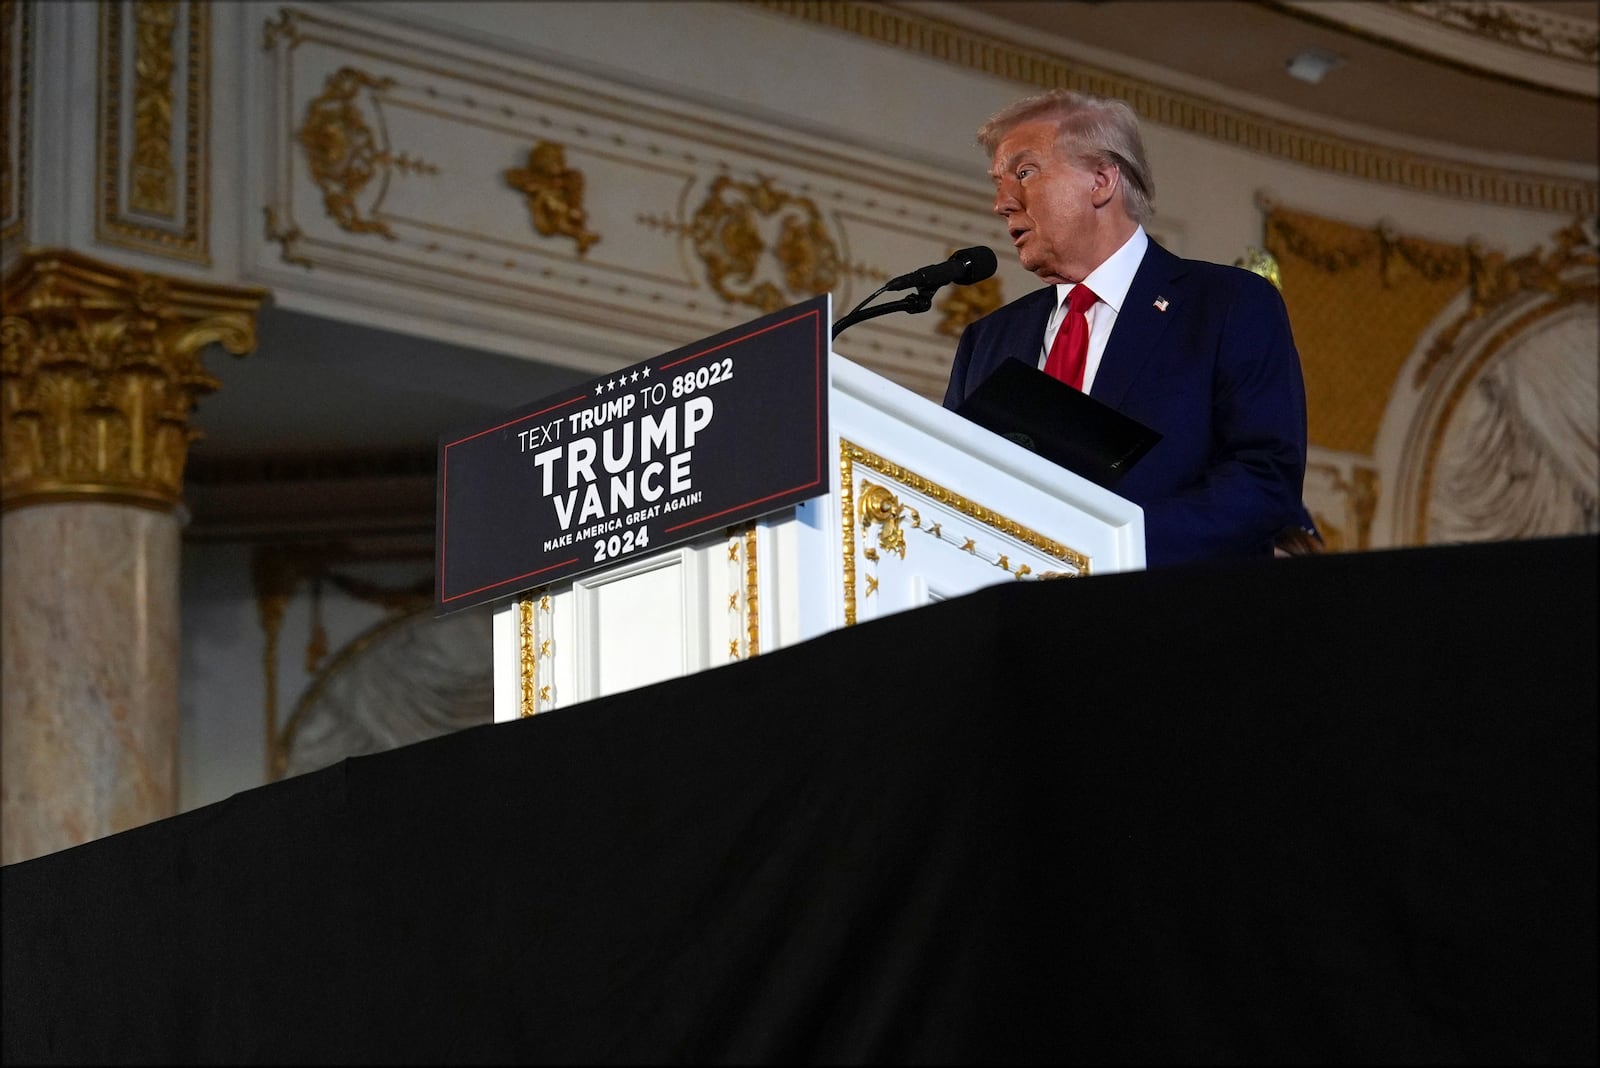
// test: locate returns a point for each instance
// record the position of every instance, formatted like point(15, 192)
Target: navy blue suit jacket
point(1216, 373)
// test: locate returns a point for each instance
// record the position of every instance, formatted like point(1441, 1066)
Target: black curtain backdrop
point(1325, 809)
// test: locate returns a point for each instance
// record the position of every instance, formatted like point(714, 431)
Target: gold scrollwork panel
point(16, 46)
point(153, 166)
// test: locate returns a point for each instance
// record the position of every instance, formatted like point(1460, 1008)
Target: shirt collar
point(1113, 278)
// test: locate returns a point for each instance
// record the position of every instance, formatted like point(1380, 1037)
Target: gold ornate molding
point(344, 153)
point(879, 504)
point(970, 49)
point(1495, 280)
point(286, 27)
point(99, 371)
point(527, 659)
point(744, 585)
point(965, 305)
point(531, 649)
point(1262, 262)
point(1519, 25)
point(16, 46)
point(554, 195)
point(150, 199)
point(727, 234)
point(752, 588)
point(153, 176)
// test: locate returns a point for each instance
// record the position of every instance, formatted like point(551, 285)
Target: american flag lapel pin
point(1161, 304)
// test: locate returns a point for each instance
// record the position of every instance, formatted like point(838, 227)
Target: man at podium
point(1199, 352)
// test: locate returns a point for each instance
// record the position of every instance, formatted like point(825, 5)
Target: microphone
point(964, 267)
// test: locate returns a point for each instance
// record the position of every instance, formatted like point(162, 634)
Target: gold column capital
point(99, 371)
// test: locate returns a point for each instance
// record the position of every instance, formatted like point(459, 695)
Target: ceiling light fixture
point(1309, 65)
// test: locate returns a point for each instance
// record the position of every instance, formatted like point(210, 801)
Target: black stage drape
point(1336, 808)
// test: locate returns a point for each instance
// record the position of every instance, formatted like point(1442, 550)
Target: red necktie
point(1070, 352)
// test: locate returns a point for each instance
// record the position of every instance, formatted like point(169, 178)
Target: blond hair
point(1090, 130)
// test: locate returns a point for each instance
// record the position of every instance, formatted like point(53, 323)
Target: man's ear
point(1107, 183)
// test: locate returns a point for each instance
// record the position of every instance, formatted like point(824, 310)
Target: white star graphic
point(647, 372)
point(600, 387)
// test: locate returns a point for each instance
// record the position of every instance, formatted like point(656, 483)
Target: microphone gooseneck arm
point(920, 301)
point(964, 267)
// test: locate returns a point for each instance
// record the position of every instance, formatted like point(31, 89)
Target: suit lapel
point(1154, 301)
point(1025, 340)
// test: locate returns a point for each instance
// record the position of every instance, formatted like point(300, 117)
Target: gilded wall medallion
point(762, 246)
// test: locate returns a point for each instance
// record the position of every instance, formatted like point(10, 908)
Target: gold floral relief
point(1494, 279)
point(527, 659)
point(879, 506)
point(15, 46)
point(153, 160)
point(153, 179)
point(752, 593)
point(964, 305)
point(554, 195)
point(1539, 31)
point(344, 153)
point(1262, 262)
point(740, 225)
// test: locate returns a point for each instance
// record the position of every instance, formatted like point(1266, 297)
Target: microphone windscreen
point(977, 263)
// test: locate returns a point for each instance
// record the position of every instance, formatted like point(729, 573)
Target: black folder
point(1062, 424)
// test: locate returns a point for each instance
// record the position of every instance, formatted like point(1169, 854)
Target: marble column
point(99, 371)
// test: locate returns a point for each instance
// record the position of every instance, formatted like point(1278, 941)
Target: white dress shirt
point(1110, 282)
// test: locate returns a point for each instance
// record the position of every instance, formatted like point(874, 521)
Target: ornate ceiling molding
point(947, 42)
point(636, 214)
point(1511, 41)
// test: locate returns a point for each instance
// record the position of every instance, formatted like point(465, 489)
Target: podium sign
point(703, 437)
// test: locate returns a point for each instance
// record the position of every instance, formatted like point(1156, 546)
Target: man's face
point(1047, 203)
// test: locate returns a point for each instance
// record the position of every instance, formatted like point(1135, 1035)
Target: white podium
point(924, 505)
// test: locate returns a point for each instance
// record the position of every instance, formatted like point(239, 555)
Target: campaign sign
point(701, 438)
